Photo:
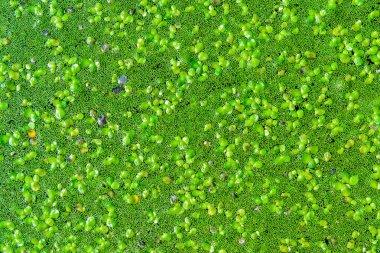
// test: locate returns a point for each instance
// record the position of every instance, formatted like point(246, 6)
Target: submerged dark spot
point(102, 120)
point(329, 139)
point(117, 89)
point(369, 61)
point(141, 243)
point(69, 10)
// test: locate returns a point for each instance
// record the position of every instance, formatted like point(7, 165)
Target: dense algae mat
point(189, 126)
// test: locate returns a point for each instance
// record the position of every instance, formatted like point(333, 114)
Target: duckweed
point(189, 126)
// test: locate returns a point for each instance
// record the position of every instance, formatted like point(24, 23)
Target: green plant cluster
point(189, 126)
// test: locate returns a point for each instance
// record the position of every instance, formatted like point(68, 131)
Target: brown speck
point(224, 176)
point(105, 47)
point(217, 2)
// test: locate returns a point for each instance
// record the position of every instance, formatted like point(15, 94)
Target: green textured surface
point(288, 89)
